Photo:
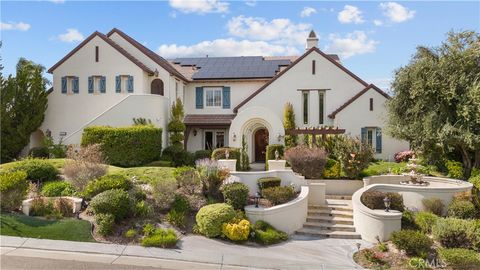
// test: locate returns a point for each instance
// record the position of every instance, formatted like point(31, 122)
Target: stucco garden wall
point(250, 179)
point(339, 186)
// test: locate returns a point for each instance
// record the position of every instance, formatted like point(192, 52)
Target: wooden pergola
point(315, 131)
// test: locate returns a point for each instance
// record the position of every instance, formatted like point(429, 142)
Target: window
point(213, 97)
point(313, 67)
point(96, 53)
point(70, 85)
point(373, 137)
point(370, 137)
point(124, 83)
point(96, 84)
point(371, 104)
point(214, 139)
point(321, 107)
point(305, 107)
point(220, 139)
point(208, 140)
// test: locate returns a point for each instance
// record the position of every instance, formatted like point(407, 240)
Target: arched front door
point(156, 88)
point(261, 141)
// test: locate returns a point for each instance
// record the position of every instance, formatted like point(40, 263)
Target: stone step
point(329, 233)
point(329, 219)
point(339, 197)
point(331, 213)
point(331, 207)
point(329, 226)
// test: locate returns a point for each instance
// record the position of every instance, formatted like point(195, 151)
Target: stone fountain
point(416, 178)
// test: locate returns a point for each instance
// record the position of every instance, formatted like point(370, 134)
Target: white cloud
point(351, 44)
point(377, 22)
point(350, 14)
point(72, 35)
point(225, 47)
point(199, 6)
point(278, 31)
point(251, 3)
point(396, 12)
point(20, 26)
point(307, 12)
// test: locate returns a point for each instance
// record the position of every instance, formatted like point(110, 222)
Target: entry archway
point(156, 87)
point(260, 142)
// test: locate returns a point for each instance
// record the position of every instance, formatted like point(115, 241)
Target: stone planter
point(229, 164)
point(76, 204)
point(276, 165)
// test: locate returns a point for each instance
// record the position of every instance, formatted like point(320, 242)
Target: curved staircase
point(334, 220)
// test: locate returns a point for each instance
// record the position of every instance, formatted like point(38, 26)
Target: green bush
point(41, 206)
point(333, 169)
point(188, 180)
point(457, 233)
point(37, 169)
point(461, 209)
point(114, 201)
point(268, 182)
point(278, 195)
point(39, 152)
point(307, 161)
point(126, 146)
point(178, 156)
point(373, 199)
point(176, 218)
point(201, 154)
point(63, 206)
point(408, 220)
point(163, 192)
point(161, 238)
point(235, 194)
point(413, 242)
point(233, 153)
point(266, 234)
point(107, 182)
point(180, 204)
point(13, 189)
point(131, 233)
point(148, 229)
point(57, 189)
point(460, 258)
point(475, 180)
point(455, 169)
point(236, 230)
point(270, 152)
point(210, 218)
point(142, 209)
point(105, 223)
point(434, 205)
point(425, 221)
point(354, 155)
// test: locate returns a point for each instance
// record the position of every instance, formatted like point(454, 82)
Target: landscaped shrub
point(408, 220)
point(161, 238)
point(114, 201)
point(475, 180)
point(434, 205)
point(37, 169)
point(107, 182)
point(236, 231)
point(55, 150)
point(148, 229)
point(413, 242)
point(278, 195)
point(309, 162)
point(235, 194)
point(39, 152)
point(354, 155)
point(84, 165)
point(211, 176)
point(142, 209)
point(270, 152)
point(266, 234)
point(178, 156)
point(188, 179)
point(176, 218)
point(201, 154)
point(268, 182)
point(210, 218)
point(460, 258)
point(333, 169)
point(105, 223)
point(455, 169)
point(126, 146)
point(457, 233)
point(244, 164)
point(461, 209)
point(373, 199)
point(163, 192)
point(13, 189)
point(131, 233)
point(178, 211)
point(403, 156)
point(425, 221)
point(41, 207)
point(63, 206)
point(57, 189)
point(233, 153)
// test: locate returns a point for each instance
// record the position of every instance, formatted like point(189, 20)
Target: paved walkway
point(195, 252)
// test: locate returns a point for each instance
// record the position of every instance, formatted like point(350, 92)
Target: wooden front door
point(156, 88)
point(261, 142)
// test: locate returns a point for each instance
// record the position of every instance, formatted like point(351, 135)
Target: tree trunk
point(467, 162)
point(477, 159)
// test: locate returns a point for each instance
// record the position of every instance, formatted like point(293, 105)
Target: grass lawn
point(64, 229)
point(381, 167)
point(147, 174)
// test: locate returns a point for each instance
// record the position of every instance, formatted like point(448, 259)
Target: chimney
point(312, 40)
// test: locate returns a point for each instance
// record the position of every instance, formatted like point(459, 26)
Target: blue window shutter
point(118, 84)
point(90, 84)
point(363, 134)
point(76, 86)
point(64, 85)
point(199, 97)
point(103, 84)
point(130, 84)
point(226, 97)
point(378, 140)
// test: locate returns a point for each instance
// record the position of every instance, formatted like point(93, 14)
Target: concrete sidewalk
point(195, 252)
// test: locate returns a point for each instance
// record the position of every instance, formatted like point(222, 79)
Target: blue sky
point(372, 38)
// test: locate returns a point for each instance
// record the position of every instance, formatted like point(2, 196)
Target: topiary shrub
point(434, 205)
point(57, 189)
point(278, 195)
point(455, 169)
point(456, 233)
point(413, 242)
point(105, 223)
point(270, 152)
point(126, 146)
point(236, 230)
point(266, 234)
point(373, 199)
point(37, 169)
point(165, 238)
point(235, 194)
point(114, 201)
point(233, 153)
point(210, 218)
point(333, 169)
point(13, 189)
point(309, 162)
point(268, 182)
point(201, 154)
point(39, 152)
point(460, 258)
point(107, 182)
point(178, 156)
point(461, 209)
point(425, 221)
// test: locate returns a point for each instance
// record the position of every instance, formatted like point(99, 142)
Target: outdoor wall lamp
point(257, 198)
point(387, 203)
point(234, 136)
point(194, 132)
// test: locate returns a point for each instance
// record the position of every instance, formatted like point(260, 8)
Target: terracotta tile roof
point(208, 119)
point(351, 100)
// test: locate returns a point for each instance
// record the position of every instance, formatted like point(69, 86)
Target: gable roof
point(313, 49)
point(359, 94)
point(149, 53)
point(111, 43)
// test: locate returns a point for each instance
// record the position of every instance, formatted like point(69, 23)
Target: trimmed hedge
point(13, 189)
point(57, 189)
point(234, 153)
point(268, 182)
point(373, 199)
point(235, 194)
point(201, 154)
point(270, 152)
point(278, 195)
point(37, 169)
point(126, 146)
point(211, 217)
point(114, 201)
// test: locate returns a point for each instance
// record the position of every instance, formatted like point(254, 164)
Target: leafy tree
point(289, 123)
point(436, 102)
point(176, 127)
point(23, 105)
point(244, 160)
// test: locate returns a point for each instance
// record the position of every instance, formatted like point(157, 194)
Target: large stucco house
point(110, 79)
